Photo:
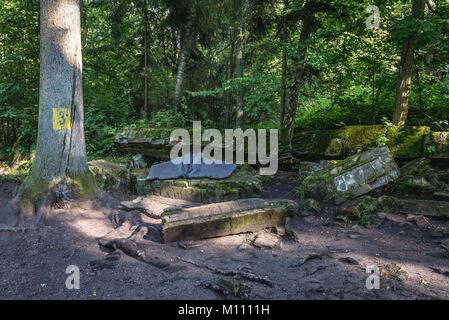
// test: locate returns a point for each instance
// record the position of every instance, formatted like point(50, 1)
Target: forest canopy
point(261, 64)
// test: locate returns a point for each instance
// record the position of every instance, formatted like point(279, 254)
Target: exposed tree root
point(131, 248)
point(36, 199)
point(233, 273)
point(13, 229)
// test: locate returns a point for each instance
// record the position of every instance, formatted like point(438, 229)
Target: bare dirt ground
point(328, 262)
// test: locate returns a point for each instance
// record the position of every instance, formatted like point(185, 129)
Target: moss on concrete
point(404, 142)
point(243, 183)
point(407, 142)
point(352, 177)
point(108, 175)
point(418, 177)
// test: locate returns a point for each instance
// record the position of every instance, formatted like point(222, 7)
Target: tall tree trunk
point(239, 63)
point(60, 165)
point(186, 44)
point(284, 67)
point(145, 27)
point(309, 26)
point(405, 70)
point(231, 76)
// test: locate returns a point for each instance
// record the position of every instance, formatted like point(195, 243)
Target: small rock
point(401, 278)
point(291, 235)
point(244, 246)
point(138, 162)
point(265, 240)
point(279, 231)
point(187, 245)
point(421, 221)
point(349, 260)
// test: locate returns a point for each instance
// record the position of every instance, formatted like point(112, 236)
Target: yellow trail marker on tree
point(61, 119)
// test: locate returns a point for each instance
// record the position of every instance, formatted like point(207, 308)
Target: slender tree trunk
point(186, 43)
point(180, 76)
point(231, 76)
point(239, 63)
point(309, 26)
point(405, 71)
point(60, 162)
point(284, 67)
point(145, 26)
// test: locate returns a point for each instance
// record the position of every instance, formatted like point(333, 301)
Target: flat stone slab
point(154, 206)
point(352, 177)
point(226, 218)
point(444, 196)
point(428, 208)
point(153, 143)
point(241, 184)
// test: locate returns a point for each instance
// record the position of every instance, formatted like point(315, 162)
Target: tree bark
point(186, 44)
point(405, 70)
point(239, 63)
point(284, 67)
point(60, 166)
point(309, 26)
point(231, 76)
point(145, 27)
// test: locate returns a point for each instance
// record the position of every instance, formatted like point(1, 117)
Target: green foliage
point(167, 119)
point(350, 72)
point(367, 213)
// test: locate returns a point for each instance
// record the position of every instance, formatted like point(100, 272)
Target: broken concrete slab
point(361, 210)
point(440, 143)
point(226, 218)
point(418, 176)
point(154, 206)
point(109, 175)
point(306, 168)
point(242, 184)
point(404, 142)
point(428, 208)
point(352, 177)
point(443, 196)
point(152, 143)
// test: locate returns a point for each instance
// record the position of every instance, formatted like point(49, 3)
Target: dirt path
point(33, 264)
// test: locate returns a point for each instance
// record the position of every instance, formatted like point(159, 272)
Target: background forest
point(260, 64)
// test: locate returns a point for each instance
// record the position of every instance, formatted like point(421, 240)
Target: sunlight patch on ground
point(89, 222)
